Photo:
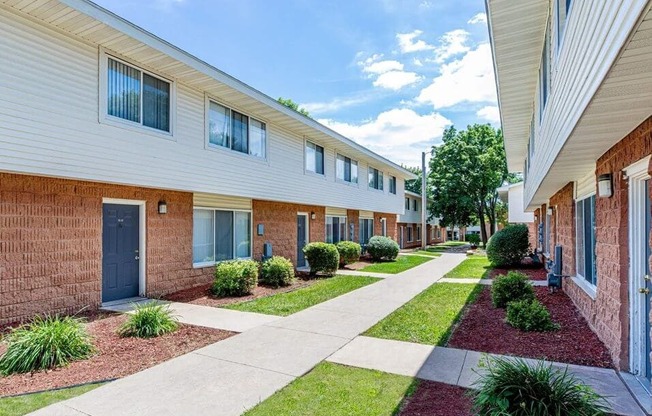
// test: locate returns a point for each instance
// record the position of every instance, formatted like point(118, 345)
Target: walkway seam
point(243, 364)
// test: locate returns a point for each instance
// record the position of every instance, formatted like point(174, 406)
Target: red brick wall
point(563, 229)
point(280, 222)
point(51, 244)
point(353, 216)
point(391, 225)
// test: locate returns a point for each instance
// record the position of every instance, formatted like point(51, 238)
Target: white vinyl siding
point(335, 229)
point(220, 235)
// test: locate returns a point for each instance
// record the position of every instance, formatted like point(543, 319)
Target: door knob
point(137, 258)
point(644, 290)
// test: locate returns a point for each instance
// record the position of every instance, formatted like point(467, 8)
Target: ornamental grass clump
point(509, 288)
point(46, 343)
point(277, 271)
point(511, 386)
point(148, 321)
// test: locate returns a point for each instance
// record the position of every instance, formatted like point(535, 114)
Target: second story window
point(407, 203)
point(375, 179)
point(346, 169)
point(236, 131)
point(314, 158)
point(392, 185)
point(137, 97)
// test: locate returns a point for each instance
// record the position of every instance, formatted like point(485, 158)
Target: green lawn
point(427, 253)
point(336, 390)
point(452, 244)
point(429, 317)
point(401, 264)
point(21, 405)
point(285, 304)
point(476, 267)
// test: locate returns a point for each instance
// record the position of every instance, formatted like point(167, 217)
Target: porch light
point(313, 216)
point(162, 207)
point(605, 189)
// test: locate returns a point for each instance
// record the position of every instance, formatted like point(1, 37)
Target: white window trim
point(105, 118)
point(227, 150)
point(199, 265)
point(580, 280)
point(342, 181)
point(369, 167)
point(306, 171)
point(142, 239)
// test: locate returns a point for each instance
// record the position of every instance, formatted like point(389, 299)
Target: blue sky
point(390, 74)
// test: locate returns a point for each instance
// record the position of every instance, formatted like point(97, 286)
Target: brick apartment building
point(575, 92)
point(129, 167)
point(408, 228)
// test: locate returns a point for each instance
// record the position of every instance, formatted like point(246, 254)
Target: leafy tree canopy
point(291, 104)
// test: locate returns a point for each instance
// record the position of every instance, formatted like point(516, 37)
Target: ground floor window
point(366, 230)
point(409, 234)
point(335, 229)
point(585, 248)
point(220, 235)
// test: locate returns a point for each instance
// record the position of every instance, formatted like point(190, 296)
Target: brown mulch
point(533, 273)
point(483, 328)
point(437, 399)
point(201, 295)
point(116, 357)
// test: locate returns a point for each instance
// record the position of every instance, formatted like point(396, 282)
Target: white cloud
point(408, 44)
point(478, 18)
point(417, 62)
point(334, 105)
point(489, 113)
point(451, 44)
point(398, 134)
point(396, 80)
point(469, 79)
point(381, 67)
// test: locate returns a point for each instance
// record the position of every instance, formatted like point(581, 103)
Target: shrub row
point(240, 277)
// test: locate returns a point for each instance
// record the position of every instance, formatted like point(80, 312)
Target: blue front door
point(120, 251)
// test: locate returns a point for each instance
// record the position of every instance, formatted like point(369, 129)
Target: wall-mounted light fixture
point(313, 215)
point(549, 211)
point(605, 188)
point(162, 207)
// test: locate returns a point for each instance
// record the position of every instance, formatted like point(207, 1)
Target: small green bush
point(148, 321)
point(512, 387)
point(46, 343)
point(473, 238)
point(508, 246)
point(511, 287)
point(382, 248)
point(235, 278)
point(530, 316)
point(322, 257)
point(349, 252)
point(277, 271)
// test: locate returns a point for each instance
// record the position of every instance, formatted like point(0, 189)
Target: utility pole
point(424, 203)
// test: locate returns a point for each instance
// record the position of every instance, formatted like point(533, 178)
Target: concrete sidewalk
point(231, 376)
point(460, 367)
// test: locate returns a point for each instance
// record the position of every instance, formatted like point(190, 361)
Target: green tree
point(413, 185)
point(291, 104)
point(465, 173)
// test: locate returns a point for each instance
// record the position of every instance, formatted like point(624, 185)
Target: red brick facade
point(416, 239)
point(51, 244)
point(608, 313)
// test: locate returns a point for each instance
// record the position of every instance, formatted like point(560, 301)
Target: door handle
point(647, 278)
point(137, 258)
point(644, 290)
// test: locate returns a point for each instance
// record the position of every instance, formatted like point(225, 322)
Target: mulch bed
point(201, 295)
point(437, 399)
point(117, 357)
point(483, 328)
point(533, 273)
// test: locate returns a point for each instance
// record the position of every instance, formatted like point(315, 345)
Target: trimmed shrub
point(512, 387)
point(235, 278)
point(508, 246)
point(277, 271)
point(349, 252)
point(322, 257)
point(530, 315)
point(382, 248)
point(473, 239)
point(46, 343)
point(509, 288)
point(150, 320)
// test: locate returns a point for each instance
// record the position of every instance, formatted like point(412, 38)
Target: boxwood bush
point(382, 248)
point(322, 257)
point(511, 287)
point(511, 386)
point(45, 343)
point(508, 246)
point(148, 321)
point(349, 252)
point(235, 278)
point(529, 315)
point(277, 271)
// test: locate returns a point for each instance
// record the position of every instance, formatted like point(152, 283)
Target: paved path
point(207, 316)
point(231, 376)
point(360, 273)
point(460, 367)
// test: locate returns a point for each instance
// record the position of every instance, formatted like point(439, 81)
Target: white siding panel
point(220, 201)
point(50, 125)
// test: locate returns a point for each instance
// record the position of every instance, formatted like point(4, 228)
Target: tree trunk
point(483, 229)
